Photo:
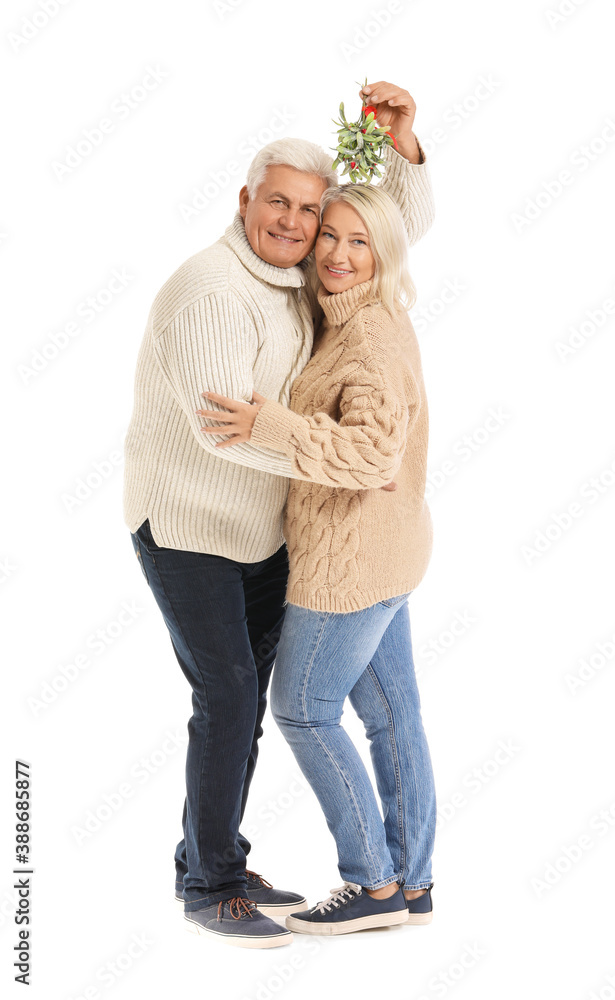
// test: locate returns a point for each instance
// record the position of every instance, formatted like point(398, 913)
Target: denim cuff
point(210, 899)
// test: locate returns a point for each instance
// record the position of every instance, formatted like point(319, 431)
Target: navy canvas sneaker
point(272, 902)
point(420, 910)
point(238, 922)
point(348, 909)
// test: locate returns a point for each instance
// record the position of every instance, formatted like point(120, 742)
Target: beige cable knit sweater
point(228, 321)
point(357, 420)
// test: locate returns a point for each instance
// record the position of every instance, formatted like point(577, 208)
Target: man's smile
point(285, 239)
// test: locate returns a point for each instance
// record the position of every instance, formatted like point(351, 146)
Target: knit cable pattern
point(357, 420)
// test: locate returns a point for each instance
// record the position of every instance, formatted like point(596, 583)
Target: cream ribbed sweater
point(228, 321)
point(358, 419)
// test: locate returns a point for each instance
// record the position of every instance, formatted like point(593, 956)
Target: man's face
point(282, 221)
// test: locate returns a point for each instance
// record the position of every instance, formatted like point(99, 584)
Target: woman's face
point(342, 252)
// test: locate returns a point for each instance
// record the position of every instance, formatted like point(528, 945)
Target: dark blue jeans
point(224, 619)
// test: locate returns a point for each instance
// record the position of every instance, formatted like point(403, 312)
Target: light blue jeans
point(322, 658)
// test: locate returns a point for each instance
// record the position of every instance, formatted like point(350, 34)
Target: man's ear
point(244, 198)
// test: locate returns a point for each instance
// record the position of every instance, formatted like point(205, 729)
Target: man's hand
point(395, 107)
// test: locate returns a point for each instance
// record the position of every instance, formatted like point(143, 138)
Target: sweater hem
point(303, 598)
point(181, 543)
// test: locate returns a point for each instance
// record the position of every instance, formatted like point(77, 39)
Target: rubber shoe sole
point(348, 926)
point(271, 910)
point(241, 940)
point(280, 909)
point(420, 918)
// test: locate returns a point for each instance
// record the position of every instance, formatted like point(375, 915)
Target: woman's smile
point(336, 270)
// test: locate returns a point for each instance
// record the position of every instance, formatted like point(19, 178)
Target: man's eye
point(277, 201)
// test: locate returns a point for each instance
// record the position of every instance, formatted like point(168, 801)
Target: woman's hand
point(239, 421)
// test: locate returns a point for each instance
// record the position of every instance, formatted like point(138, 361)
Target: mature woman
point(357, 421)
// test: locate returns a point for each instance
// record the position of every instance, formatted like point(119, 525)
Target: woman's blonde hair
point(388, 241)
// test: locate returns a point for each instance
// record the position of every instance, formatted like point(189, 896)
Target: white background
point(518, 909)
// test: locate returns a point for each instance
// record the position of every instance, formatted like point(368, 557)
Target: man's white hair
point(298, 153)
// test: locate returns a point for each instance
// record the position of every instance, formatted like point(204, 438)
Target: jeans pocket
point(390, 602)
point(146, 540)
point(145, 532)
point(136, 544)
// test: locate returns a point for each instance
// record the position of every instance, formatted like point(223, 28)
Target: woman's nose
point(338, 253)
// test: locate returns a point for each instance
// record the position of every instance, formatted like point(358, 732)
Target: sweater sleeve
point(365, 448)
point(409, 186)
point(212, 344)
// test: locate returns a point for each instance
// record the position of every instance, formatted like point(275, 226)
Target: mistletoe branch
point(360, 144)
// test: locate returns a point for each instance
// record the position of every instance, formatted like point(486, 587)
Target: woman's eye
point(324, 235)
point(362, 242)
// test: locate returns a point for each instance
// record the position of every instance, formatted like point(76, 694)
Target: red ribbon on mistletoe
point(368, 110)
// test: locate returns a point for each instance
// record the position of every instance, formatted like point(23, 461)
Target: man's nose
point(288, 218)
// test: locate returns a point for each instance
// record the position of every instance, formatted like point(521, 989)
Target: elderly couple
point(287, 522)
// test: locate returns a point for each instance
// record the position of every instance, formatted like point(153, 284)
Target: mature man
point(206, 522)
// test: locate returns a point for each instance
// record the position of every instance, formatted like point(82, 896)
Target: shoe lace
point(238, 907)
point(339, 896)
point(259, 878)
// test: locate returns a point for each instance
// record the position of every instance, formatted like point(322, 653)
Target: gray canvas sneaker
point(238, 922)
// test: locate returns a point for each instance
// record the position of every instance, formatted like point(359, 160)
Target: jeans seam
point(352, 797)
point(418, 819)
point(325, 748)
point(393, 743)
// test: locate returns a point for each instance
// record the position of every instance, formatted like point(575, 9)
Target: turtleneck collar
point(235, 236)
point(338, 307)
